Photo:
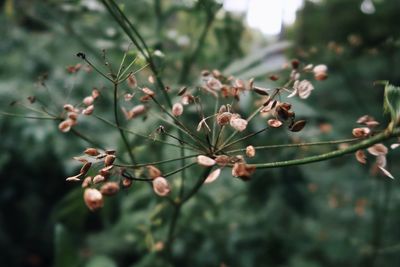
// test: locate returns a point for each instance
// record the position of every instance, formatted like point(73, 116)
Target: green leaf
point(391, 103)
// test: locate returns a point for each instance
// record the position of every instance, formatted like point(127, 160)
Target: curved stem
point(156, 162)
point(333, 154)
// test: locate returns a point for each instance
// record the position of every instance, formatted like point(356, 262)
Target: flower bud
point(205, 161)
point(109, 160)
point(161, 186)
point(93, 199)
point(86, 182)
point(177, 109)
point(95, 93)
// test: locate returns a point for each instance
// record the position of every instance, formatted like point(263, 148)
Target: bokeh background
point(334, 213)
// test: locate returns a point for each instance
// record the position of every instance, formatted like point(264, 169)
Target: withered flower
point(153, 171)
point(161, 186)
point(274, 123)
point(361, 132)
point(238, 123)
point(242, 170)
point(109, 188)
point(177, 109)
point(250, 151)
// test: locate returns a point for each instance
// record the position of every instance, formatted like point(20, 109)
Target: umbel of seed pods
point(109, 178)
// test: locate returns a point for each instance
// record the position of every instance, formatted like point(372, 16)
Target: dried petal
point(148, 91)
point(378, 149)
point(243, 171)
point(161, 186)
point(222, 160)
point(224, 118)
point(88, 111)
point(93, 199)
point(213, 84)
point(74, 178)
point(85, 168)
point(381, 161)
point(386, 172)
point(109, 188)
point(250, 151)
point(177, 109)
point(86, 182)
point(361, 157)
point(65, 126)
point(212, 176)
point(303, 88)
point(274, 123)
point(205, 161)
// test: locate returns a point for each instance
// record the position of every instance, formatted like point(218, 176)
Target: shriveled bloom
point(205, 161)
point(109, 188)
point(212, 176)
point(177, 109)
point(250, 151)
point(222, 160)
point(242, 170)
point(274, 123)
point(238, 123)
point(361, 132)
point(367, 120)
point(161, 186)
point(93, 199)
point(213, 84)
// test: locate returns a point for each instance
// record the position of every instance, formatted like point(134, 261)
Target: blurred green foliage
point(326, 214)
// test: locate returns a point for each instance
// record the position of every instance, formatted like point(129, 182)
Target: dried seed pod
point(91, 151)
point(65, 126)
point(93, 199)
point(73, 116)
point(69, 107)
point(250, 151)
point(238, 124)
point(205, 161)
point(243, 171)
point(109, 160)
point(361, 132)
point(378, 149)
point(297, 126)
point(182, 91)
point(222, 160)
point(224, 118)
point(212, 176)
point(109, 189)
point(295, 63)
point(88, 111)
point(361, 157)
point(88, 100)
point(137, 110)
point(153, 171)
point(261, 91)
point(161, 186)
point(74, 178)
point(98, 179)
point(177, 109)
point(126, 182)
point(85, 168)
point(148, 91)
point(131, 81)
point(111, 151)
point(106, 171)
point(282, 113)
point(274, 77)
point(274, 123)
point(95, 93)
point(87, 181)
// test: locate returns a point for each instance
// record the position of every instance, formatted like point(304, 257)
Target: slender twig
point(180, 169)
point(242, 139)
point(156, 162)
point(26, 117)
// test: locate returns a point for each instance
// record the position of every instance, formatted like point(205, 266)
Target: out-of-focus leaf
point(392, 102)
point(101, 261)
point(66, 253)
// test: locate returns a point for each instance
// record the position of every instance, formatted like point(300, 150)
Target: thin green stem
point(298, 145)
point(242, 139)
point(180, 169)
point(156, 162)
point(333, 154)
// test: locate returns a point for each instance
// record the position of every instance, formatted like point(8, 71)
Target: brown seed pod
point(295, 63)
point(109, 160)
point(282, 113)
point(205, 161)
point(361, 157)
point(243, 171)
point(106, 171)
point(222, 160)
point(109, 188)
point(250, 151)
point(91, 151)
point(98, 179)
point(224, 118)
point(274, 123)
point(297, 126)
point(274, 77)
point(87, 181)
point(182, 91)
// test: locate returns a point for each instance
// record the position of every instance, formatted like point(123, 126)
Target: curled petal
point(378, 149)
point(361, 157)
